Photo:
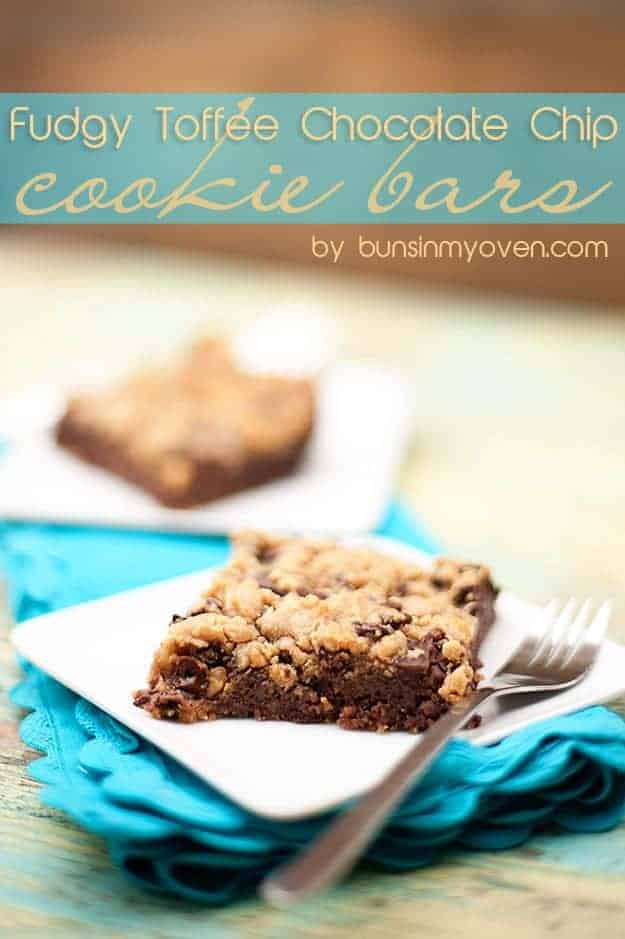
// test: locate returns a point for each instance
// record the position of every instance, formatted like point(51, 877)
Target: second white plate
point(343, 485)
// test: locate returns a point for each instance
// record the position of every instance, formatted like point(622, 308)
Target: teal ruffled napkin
point(170, 831)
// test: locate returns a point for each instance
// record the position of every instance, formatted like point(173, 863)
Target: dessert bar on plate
point(279, 769)
point(193, 431)
point(312, 631)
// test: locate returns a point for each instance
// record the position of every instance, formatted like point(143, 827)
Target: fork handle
point(336, 851)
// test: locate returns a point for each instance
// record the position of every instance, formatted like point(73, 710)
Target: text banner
point(312, 158)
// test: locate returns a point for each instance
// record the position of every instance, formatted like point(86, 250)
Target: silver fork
point(555, 657)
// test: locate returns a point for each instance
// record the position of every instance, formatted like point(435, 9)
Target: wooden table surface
point(517, 459)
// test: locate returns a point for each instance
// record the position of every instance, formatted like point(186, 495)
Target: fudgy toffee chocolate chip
point(338, 645)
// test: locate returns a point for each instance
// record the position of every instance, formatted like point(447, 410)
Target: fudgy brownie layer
point(313, 632)
point(194, 431)
point(354, 694)
point(211, 480)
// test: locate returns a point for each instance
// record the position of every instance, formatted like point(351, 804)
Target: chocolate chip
point(413, 663)
point(213, 655)
point(395, 619)
point(190, 675)
point(371, 630)
point(425, 657)
point(168, 703)
point(440, 582)
point(463, 596)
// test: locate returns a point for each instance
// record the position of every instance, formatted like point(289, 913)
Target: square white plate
point(278, 770)
point(343, 485)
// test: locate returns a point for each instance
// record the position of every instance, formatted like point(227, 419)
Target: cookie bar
point(193, 431)
point(311, 631)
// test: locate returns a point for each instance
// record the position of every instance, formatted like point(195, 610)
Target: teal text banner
point(312, 158)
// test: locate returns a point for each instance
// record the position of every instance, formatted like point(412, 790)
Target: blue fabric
point(170, 831)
